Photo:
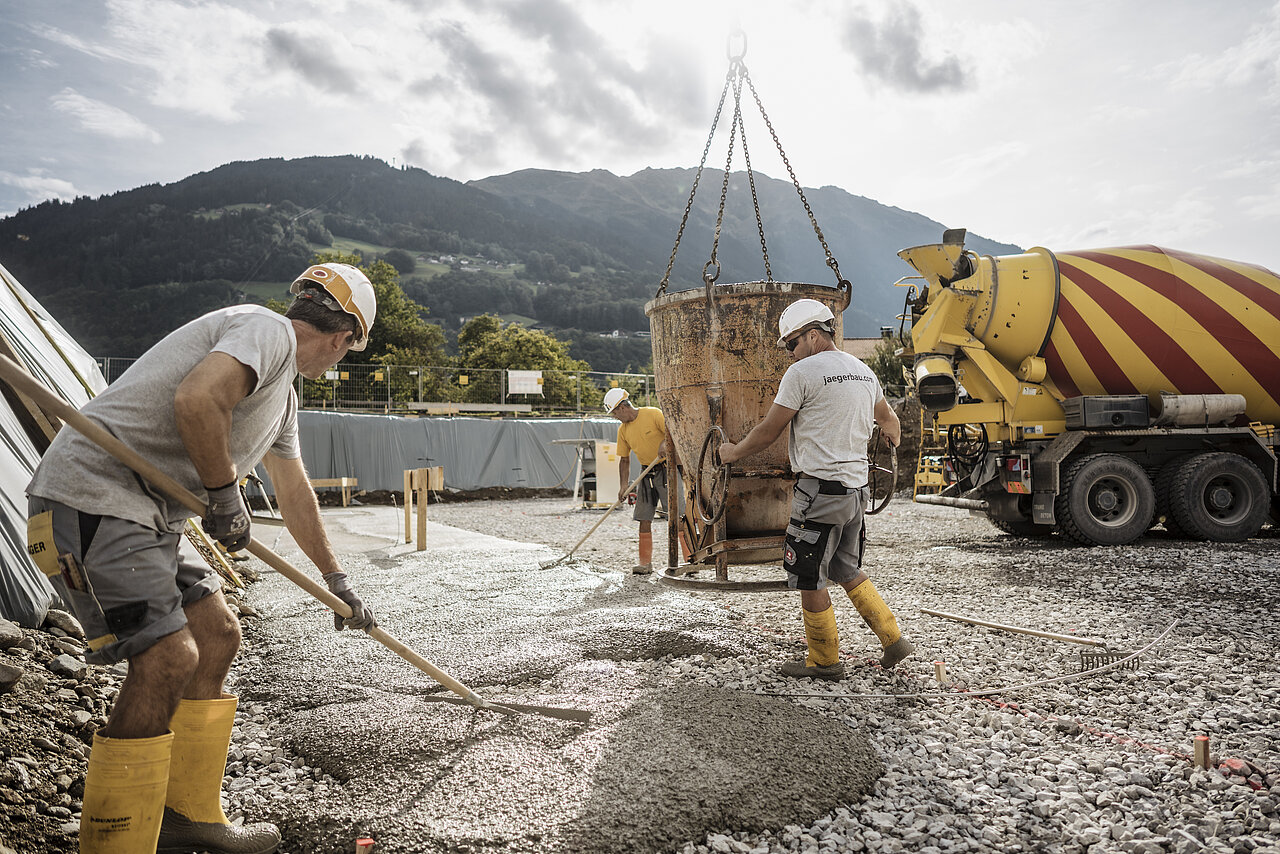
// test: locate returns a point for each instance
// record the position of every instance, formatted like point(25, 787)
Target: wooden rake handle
point(23, 382)
point(615, 506)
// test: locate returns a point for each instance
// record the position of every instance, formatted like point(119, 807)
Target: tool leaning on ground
point(22, 381)
point(616, 504)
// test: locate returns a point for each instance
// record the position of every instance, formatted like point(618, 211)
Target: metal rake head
point(1093, 660)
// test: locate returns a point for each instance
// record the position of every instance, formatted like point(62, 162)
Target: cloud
point(536, 76)
point(1254, 62)
point(38, 186)
point(893, 52)
point(312, 58)
point(103, 119)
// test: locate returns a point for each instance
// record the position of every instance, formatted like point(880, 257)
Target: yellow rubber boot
point(193, 816)
point(866, 598)
point(124, 794)
point(823, 638)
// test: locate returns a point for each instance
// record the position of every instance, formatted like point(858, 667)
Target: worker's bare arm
point(761, 436)
point(202, 409)
point(890, 426)
point(300, 511)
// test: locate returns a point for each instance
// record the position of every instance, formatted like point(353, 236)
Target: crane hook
point(735, 33)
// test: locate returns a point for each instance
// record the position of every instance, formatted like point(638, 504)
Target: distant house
point(863, 348)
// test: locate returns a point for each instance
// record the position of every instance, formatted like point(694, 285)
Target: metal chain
point(735, 77)
point(707, 277)
point(755, 200)
point(831, 261)
point(706, 149)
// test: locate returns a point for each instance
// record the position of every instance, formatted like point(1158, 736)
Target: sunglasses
point(792, 344)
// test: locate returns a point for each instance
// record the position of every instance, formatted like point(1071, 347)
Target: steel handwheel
point(711, 501)
point(882, 471)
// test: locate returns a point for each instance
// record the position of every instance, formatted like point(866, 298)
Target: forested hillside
point(577, 254)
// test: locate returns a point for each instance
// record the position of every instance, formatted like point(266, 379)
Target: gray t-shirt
point(834, 395)
point(138, 410)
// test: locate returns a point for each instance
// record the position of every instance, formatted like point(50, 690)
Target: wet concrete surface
point(662, 762)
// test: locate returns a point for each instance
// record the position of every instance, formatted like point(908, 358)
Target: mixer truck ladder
point(930, 474)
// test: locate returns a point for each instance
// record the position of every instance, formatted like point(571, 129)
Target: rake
point(550, 563)
point(1088, 660)
point(24, 383)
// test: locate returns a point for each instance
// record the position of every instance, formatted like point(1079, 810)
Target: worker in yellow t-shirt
point(644, 431)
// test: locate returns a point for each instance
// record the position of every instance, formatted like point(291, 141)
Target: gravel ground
point(1097, 764)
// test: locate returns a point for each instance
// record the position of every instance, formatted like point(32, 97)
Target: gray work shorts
point(825, 536)
point(126, 583)
point(652, 491)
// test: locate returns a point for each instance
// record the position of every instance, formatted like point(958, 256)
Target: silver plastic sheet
point(475, 452)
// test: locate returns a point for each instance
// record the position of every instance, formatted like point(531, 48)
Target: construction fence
point(450, 390)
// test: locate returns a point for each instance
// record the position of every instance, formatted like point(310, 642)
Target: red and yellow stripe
point(1141, 320)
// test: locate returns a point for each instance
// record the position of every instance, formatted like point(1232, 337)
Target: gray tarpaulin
point(475, 452)
point(52, 356)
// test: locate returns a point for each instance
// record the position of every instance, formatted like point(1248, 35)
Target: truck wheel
point(1106, 500)
point(1022, 527)
point(1163, 483)
point(1219, 496)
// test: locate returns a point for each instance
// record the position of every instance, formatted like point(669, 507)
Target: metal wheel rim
point(1120, 515)
point(717, 500)
point(1236, 511)
point(873, 468)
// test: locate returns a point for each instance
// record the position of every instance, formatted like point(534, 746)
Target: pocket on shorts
point(40, 545)
point(69, 580)
point(803, 550)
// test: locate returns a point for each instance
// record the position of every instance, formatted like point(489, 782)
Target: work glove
point(227, 519)
point(361, 617)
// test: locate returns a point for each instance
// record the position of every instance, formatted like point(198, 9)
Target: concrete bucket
point(718, 365)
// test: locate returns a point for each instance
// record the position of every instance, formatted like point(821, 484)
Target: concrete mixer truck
point(1100, 393)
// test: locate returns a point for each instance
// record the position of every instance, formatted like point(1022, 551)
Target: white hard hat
point(800, 314)
point(613, 397)
point(351, 290)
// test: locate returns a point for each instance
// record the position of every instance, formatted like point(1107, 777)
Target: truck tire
point(1163, 483)
point(1105, 500)
point(1220, 497)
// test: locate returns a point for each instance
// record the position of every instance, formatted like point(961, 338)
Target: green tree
point(485, 345)
point(886, 364)
point(399, 328)
point(400, 337)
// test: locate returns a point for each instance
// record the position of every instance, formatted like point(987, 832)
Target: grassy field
point(260, 292)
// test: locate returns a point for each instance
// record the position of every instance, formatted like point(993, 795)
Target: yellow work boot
point(866, 598)
point(823, 637)
point(124, 794)
point(193, 816)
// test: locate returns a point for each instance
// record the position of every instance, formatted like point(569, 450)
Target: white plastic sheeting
point(475, 452)
point(52, 356)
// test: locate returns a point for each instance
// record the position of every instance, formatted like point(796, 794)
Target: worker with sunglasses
point(832, 401)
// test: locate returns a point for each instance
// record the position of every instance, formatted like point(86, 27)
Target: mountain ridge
point(578, 252)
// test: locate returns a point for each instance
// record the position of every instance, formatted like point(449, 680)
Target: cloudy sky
point(1063, 124)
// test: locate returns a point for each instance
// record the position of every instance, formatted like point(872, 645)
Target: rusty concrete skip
point(664, 760)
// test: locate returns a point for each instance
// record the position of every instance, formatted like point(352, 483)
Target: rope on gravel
point(954, 695)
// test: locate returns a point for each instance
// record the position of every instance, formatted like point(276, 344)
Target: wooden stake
point(364, 845)
point(1202, 751)
point(420, 496)
point(940, 671)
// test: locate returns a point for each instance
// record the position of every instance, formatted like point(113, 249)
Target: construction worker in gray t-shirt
point(205, 404)
point(831, 400)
